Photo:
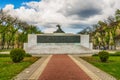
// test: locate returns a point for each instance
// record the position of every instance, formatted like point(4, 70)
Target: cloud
point(67, 13)
point(83, 9)
point(49, 30)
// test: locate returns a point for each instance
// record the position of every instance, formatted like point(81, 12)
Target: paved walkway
point(62, 67)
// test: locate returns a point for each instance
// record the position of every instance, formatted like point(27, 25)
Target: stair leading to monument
point(59, 49)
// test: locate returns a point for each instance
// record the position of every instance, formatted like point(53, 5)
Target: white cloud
point(65, 12)
point(49, 30)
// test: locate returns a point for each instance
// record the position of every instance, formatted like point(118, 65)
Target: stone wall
point(85, 41)
point(32, 40)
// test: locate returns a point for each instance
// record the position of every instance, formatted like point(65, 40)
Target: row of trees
point(106, 33)
point(13, 32)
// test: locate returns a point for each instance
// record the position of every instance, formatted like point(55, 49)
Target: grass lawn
point(112, 66)
point(8, 69)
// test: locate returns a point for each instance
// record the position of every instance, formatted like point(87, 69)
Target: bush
point(95, 55)
point(103, 55)
point(28, 55)
point(17, 55)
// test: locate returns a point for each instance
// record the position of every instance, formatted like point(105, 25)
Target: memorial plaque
point(58, 39)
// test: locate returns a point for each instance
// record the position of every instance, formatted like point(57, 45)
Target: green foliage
point(4, 55)
point(117, 15)
point(17, 55)
point(14, 32)
point(103, 55)
point(95, 55)
point(28, 55)
point(8, 55)
point(109, 32)
point(116, 54)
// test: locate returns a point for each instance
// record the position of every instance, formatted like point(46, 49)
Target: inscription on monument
point(58, 39)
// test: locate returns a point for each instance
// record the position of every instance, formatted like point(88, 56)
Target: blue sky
point(16, 3)
point(72, 15)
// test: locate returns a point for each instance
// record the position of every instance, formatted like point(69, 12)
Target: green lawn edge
point(112, 66)
point(8, 69)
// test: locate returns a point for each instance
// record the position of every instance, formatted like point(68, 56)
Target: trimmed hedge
point(103, 55)
point(17, 55)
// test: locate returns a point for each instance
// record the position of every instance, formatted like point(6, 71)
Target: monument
point(57, 43)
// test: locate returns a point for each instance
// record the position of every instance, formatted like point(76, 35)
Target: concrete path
point(62, 67)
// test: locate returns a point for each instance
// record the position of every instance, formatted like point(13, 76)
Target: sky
point(72, 15)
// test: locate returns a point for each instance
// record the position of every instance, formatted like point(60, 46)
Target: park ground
point(111, 67)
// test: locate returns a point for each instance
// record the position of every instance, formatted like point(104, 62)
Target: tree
point(117, 15)
point(13, 31)
point(107, 32)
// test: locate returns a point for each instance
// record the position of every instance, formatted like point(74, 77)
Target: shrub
point(103, 55)
point(28, 55)
point(95, 55)
point(17, 55)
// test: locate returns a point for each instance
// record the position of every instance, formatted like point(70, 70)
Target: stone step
point(61, 49)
